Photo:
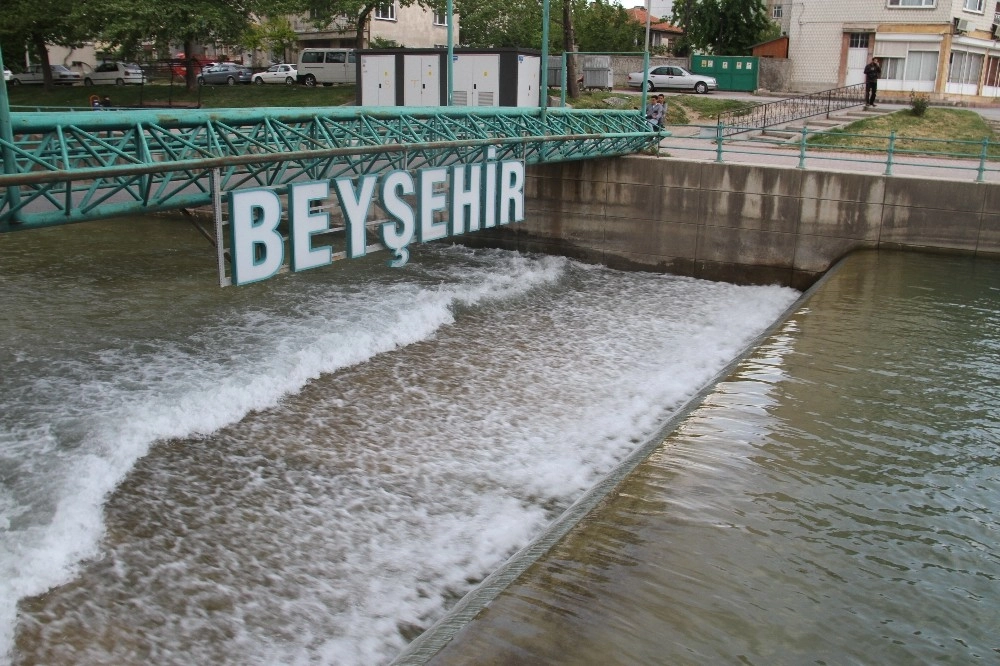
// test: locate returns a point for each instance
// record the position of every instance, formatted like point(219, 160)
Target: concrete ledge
point(740, 223)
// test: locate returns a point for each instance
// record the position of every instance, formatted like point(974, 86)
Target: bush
point(918, 103)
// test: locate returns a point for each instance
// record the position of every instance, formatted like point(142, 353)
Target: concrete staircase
point(792, 132)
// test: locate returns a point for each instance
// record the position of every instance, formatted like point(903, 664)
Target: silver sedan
point(672, 77)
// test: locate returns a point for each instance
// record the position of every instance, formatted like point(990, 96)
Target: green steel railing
point(946, 157)
point(60, 168)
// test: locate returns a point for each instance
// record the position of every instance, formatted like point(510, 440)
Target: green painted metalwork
point(73, 167)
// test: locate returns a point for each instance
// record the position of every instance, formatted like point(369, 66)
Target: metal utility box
point(477, 80)
point(597, 74)
point(732, 72)
point(418, 77)
point(555, 72)
point(422, 80)
point(529, 77)
point(378, 81)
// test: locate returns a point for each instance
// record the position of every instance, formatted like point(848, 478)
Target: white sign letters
point(445, 201)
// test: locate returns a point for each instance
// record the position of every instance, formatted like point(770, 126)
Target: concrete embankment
point(741, 223)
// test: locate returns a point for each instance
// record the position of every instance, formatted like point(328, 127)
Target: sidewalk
point(697, 143)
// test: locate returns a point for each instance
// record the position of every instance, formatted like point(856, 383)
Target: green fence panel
point(732, 72)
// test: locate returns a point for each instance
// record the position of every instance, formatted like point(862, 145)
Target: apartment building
point(411, 26)
point(946, 48)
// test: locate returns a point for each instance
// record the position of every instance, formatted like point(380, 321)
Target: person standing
point(873, 71)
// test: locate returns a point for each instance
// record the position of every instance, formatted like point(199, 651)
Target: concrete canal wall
point(740, 223)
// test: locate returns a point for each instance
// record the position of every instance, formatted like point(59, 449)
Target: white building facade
point(946, 48)
point(411, 26)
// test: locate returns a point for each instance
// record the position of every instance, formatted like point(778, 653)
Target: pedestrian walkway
point(781, 146)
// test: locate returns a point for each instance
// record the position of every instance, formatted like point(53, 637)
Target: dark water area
point(835, 500)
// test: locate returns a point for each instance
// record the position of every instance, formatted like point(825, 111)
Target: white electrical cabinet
point(477, 80)
point(378, 80)
point(529, 75)
point(422, 80)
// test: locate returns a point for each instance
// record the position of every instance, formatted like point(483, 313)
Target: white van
point(327, 66)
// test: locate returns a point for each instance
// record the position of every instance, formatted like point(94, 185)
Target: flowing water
point(315, 468)
point(835, 500)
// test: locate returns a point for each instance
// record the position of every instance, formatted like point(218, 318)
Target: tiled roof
point(638, 14)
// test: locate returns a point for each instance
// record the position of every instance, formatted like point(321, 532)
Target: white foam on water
point(76, 423)
point(513, 384)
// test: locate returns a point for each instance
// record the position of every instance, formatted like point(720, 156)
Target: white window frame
point(440, 17)
point(978, 9)
point(777, 11)
point(385, 12)
point(911, 4)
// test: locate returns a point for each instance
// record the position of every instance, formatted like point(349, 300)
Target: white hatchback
point(276, 74)
point(117, 73)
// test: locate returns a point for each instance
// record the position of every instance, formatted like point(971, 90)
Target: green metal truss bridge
point(66, 167)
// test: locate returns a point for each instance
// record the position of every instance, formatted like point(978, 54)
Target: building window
point(386, 12)
point(965, 67)
point(973, 6)
point(892, 68)
point(776, 12)
point(858, 40)
point(921, 66)
point(912, 3)
point(440, 18)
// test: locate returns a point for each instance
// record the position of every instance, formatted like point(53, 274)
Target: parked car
point(7, 75)
point(671, 76)
point(61, 75)
point(178, 65)
point(228, 73)
point(117, 73)
point(276, 74)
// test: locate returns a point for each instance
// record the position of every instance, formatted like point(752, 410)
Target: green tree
point(273, 34)
point(30, 25)
point(681, 17)
point(602, 25)
point(513, 23)
point(190, 22)
point(725, 27)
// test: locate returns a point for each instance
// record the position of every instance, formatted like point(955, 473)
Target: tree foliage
point(273, 34)
point(29, 25)
point(188, 22)
point(513, 23)
point(722, 27)
point(602, 25)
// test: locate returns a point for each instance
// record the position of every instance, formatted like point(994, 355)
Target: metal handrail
point(918, 155)
point(793, 108)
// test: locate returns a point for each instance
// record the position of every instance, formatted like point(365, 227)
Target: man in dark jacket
point(872, 73)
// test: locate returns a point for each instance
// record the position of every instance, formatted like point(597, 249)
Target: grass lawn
point(964, 131)
point(681, 109)
point(209, 97)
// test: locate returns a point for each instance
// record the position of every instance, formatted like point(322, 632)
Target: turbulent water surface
point(314, 468)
